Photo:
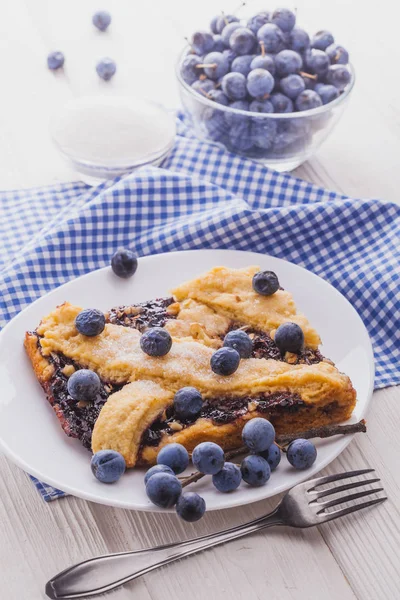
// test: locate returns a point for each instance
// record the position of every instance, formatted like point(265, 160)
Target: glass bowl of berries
point(263, 87)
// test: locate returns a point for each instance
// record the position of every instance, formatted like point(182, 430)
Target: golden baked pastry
point(134, 411)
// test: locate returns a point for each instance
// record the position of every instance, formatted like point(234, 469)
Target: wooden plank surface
point(357, 557)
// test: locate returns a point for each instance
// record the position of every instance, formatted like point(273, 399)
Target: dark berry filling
point(77, 418)
point(265, 347)
point(225, 410)
point(142, 315)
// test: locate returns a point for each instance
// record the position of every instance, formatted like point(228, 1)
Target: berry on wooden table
point(55, 60)
point(190, 507)
point(106, 68)
point(101, 19)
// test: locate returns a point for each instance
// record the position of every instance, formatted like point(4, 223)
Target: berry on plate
point(265, 283)
point(108, 465)
point(84, 385)
point(124, 263)
point(208, 458)
point(301, 454)
point(255, 470)
point(187, 403)
point(225, 361)
point(157, 469)
point(174, 456)
point(163, 489)
point(289, 337)
point(90, 322)
point(272, 455)
point(190, 507)
point(258, 434)
point(239, 341)
point(228, 478)
point(156, 342)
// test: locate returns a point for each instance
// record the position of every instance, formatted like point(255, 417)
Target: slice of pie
point(134, 411)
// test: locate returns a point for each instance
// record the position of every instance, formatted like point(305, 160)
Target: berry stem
point(262, 48)
point(304, 74)
point(284, 440)
point(239, 7)
point(211, 65)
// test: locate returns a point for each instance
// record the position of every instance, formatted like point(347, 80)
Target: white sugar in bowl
point(105, 137)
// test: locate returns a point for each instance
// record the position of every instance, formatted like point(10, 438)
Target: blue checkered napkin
point(204, 197)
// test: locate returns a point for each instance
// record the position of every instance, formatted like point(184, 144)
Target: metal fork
point(300, 507)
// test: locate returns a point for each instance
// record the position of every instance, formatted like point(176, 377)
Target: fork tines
point(344, 498)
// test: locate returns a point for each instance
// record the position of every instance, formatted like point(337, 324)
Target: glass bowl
point(109, 136)
point(282, 141)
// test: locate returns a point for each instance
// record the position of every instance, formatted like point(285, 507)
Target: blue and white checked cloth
point(204, 197)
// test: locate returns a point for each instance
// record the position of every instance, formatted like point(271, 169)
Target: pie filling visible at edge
point(134, 412)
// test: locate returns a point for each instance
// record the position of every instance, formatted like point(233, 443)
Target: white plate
point(31, 436)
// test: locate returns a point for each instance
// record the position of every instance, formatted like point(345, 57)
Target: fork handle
point(104, 573)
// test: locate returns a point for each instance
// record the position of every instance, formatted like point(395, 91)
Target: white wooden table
point(357, 557)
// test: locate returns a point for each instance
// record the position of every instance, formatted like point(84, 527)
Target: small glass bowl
point(108, 136)
point(284, 140)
